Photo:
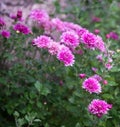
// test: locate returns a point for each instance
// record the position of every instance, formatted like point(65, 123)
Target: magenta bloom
point(108, 36)
point(96, 19)
point(21, 28)
point(92, 85)
point(105, 82)
point(97, 77)
point(65, 55)
point(40, 16)
point(96, 31)
point(94, 69)
point(99, 107)
point(114, 35)
point(70, 38)
point(19, 14)
point(42, 41)
point(2, 22)
point(81, 31)
point(71, 26)
point(82, 75)
point(89, 39)
point(100, 44)
point(108, 66)
point(99, 58)
point(5, 34)
point(58, 24)
point(53, 48)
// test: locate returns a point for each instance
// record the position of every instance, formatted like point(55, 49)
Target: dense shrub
point(58, 73)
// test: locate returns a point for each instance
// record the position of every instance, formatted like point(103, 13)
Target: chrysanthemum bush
point(53, 71)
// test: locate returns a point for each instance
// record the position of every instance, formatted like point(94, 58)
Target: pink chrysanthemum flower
point(42, 41)
point(40, 16)
point(99, 107)
point(2, 22)
point(70, 38)
point(65, 55)
point(108, 65)
point(21, 28)
point(92, 85)
point(96, 31)
point(71, 26)
point(83, 75)
point(58, 24)
point(100, 44)
point(89, 39)
point(114, 35)
point(5, 34)
point(97, 77)
point(81, 31)
point(53, 48)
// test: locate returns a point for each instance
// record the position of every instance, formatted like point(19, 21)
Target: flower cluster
point(112, 35)
point(99, 107)
point(71, 36)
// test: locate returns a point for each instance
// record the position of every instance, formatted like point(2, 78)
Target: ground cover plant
point(61, 72)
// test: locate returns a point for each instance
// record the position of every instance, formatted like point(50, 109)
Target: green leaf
point(38, 86)
point(16, 114)
point(46, 125)
point(37, 120)
point(77, 125)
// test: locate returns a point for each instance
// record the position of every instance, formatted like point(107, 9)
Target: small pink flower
point(94, 69)
point(5, 34)
point(58, 24)
point(108, 36)
point(70, 38)
point(65, 55)
point(42, 41)
point(53, 48)
point(89, 39)
point(97, 77)
point(99, 107)
point(108, 66)
point(92, 85)
point(19, 14)
point(100, 44)
point(71, 26)
point(81, 31)
point(96, 19)
point(96, 31)
point(105, 82)
point(114, 35)
point(99, 57)
point(21, 28)
point(40, 16)
point(2, 22)
point(82, 75)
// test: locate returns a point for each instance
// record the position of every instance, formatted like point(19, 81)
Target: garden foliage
point(61, 73)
